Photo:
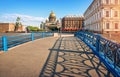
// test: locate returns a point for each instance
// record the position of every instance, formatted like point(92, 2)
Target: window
point(107, 13)
point(107, 1)
point(107, 25)
point(100, 14)
point(116, 25)
point(115, 13)
point(66, 24)
point(116, 1)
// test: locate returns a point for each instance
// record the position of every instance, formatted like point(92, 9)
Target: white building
point(103, 16)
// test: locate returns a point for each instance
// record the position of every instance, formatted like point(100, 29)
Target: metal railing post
point(98, 43)
point(84, 37)
point(4, 43)
point(32, 36)
point(43, 34)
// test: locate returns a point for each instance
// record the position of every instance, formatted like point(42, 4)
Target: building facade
point(10, 27)
point(103, 16)
point(72, 23)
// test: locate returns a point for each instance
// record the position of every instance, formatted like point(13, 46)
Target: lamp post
point(59, 26)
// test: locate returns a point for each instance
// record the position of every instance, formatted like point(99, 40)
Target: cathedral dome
point(52, 17)
point(52, 14)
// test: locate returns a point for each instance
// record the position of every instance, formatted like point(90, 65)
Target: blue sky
point(32, 12)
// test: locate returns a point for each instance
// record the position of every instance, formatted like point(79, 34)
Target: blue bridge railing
point(1, 47)
point(11, 41)
point(107, 51)
point(16, 40)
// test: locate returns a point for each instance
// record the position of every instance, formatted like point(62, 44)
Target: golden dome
point(52, 14)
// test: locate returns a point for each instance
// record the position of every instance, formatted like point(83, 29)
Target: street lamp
point(60, 26)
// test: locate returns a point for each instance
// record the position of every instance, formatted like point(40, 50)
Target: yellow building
point(10, 27)
point(103, 16)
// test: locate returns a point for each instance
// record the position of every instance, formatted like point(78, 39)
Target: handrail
point(10, 41)
point(1, 47)
point(16, 40)
point(107, 51)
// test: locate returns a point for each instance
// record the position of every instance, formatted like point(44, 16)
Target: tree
point(17, 24)
point(32, 28)
point(18, 19)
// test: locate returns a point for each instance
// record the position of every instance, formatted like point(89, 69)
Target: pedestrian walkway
point(53, 56)
point(26, 60)
point(70, 57)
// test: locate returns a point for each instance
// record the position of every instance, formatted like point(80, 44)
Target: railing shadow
point(70, 57)
point(107, 51)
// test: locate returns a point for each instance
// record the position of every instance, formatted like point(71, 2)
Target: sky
point(33, 12)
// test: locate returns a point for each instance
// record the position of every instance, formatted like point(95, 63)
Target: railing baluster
point(107, 51)
point(98, 43)
point(32, 36)
point(4, 40)
point(43, 34)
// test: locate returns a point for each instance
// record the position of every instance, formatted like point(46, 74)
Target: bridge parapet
point(11, 41)
point(1, 44)
point(107, 51)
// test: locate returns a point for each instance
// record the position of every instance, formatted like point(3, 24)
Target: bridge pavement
point(53, 56)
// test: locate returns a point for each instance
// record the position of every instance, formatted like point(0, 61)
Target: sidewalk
point(70, 57)
point(26, 60)
point(48, 57)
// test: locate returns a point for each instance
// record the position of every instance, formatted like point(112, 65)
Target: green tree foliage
point(18, 19)
point(32, 28)
point(17, 24)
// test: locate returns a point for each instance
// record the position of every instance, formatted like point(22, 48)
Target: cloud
point(25, 19)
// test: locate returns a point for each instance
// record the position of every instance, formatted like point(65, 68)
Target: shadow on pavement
point(70, 57)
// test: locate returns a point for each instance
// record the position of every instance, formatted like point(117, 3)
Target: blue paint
point(107, 51)
point(4, 42)
point(43, 34)
point(98, 43)
point(1, 47)
point(32, 36)
point(11, 41)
